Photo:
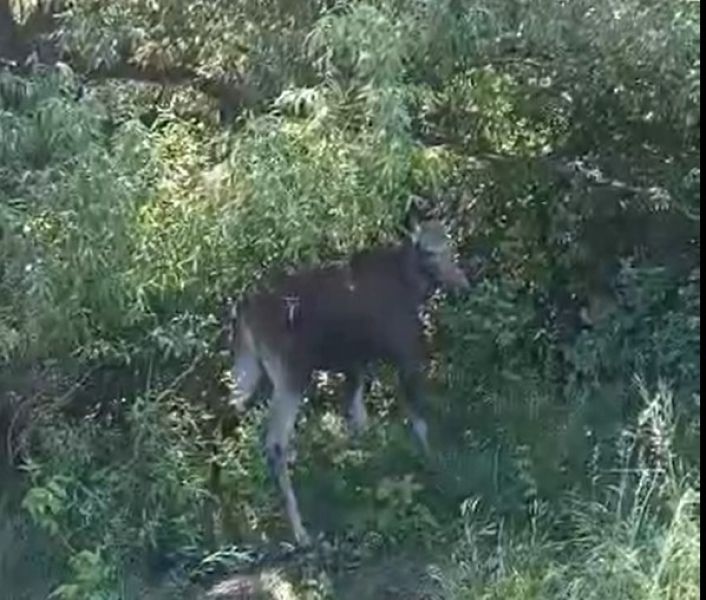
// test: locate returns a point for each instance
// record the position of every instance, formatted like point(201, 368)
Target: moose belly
point(342, 348)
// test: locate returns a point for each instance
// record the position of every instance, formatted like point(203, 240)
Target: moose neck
point(417, 273)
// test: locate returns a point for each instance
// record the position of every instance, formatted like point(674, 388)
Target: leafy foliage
point(560, 140)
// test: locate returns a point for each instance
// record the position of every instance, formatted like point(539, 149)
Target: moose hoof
point(356, 431)
point(302, 537)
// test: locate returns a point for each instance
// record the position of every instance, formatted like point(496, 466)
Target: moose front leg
point(356, 415)
point(283, 414)
point(412, 381)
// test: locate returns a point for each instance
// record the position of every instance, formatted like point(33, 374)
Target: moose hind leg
point(413, 386)
point(283, 413)
point(246, 373)
point(356, 415)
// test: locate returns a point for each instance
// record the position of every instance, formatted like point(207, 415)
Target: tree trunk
point(8, 31)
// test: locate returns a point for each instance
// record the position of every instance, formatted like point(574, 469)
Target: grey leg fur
point(412, 383)
point(283, 414)
point(284, 406)
point(356, 415)
point(245, 373)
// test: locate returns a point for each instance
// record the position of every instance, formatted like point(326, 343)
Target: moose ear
point(413, 216)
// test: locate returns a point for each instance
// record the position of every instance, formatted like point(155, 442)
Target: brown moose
point(340, 318)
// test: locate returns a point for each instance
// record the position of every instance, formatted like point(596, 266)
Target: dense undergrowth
point(560, 142)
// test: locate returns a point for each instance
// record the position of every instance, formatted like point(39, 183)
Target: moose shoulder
point(339, 318)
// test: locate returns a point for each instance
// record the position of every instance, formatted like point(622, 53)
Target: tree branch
point(232, 91)
point(23, 47)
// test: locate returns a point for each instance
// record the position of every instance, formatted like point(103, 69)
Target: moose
point(340, 318)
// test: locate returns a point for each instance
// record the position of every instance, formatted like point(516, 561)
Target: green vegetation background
point(158, 156)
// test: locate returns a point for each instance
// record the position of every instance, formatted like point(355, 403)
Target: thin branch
point(32, 402)
point(177, 381)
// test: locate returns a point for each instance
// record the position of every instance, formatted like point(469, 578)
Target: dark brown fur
point(341, 317)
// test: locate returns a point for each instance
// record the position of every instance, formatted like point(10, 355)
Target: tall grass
point(638, 540)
